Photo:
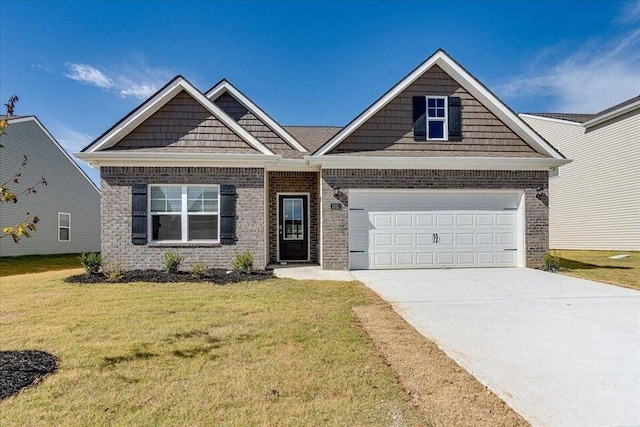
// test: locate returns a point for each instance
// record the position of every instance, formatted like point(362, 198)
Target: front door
point(293, 227)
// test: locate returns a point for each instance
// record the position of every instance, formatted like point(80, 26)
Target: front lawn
point(596, 265)
point(276, 352)
point(11, 265)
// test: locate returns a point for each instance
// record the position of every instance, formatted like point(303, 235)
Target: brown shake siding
point(390, 130)
point(293, 182)
point(182, 124)
point(255, 126)
point(117, 248)
point(335, 223)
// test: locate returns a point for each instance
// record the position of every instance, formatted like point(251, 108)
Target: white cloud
point(631, 12)
point(70, 139)
point(87, 74)
point(139, 82)
point(592, 77)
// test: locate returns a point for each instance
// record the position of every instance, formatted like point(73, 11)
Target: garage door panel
point(403, 220)
point(424, 220)
point(424, 259)
point(423, 239)
point(465, 239)
point(444, 220)
point(407, 231)
point(383, 239)
point(445, 258)
point(464, 220)
point(404, 259)
point(404, 239)
point(465, 258)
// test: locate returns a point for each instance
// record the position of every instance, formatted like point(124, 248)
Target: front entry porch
point(292, 217)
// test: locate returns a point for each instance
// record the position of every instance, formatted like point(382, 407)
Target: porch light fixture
point(539, 192)
point(336, 191)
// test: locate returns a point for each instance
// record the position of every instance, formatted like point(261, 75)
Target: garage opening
point(395, 229)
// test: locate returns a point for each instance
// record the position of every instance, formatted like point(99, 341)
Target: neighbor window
point(437, 118)
point(184, 213)
point(64, 227)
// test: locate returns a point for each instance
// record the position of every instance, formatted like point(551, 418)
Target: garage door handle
point(356, 252)
point(509, 249)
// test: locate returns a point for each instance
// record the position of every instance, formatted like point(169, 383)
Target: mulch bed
point(20, 369)
point(214, 275)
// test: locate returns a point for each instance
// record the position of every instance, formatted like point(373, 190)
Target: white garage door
point(433, 230)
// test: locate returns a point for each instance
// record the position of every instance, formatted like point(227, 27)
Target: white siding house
point(595, 200)
point(68, 207)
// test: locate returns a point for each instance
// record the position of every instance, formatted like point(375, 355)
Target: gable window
point(64, 227)
point(437, 118)
point(184, 213)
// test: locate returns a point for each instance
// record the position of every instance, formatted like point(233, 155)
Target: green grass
point(595, 265)
point(279, 352)
point(10, 266)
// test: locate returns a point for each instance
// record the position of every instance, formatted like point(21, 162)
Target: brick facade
point(116, 215)
point(293, 182)
point(335, 223)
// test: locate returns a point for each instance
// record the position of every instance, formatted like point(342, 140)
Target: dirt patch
point(444, 392)
point(214, 275)
point(20, 369)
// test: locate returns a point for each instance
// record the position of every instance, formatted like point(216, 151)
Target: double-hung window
point(64, 227)
point(437, 118)
point(184, 213)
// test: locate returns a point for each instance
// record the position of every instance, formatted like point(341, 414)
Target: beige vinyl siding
point(68, 191)
point(595, 200)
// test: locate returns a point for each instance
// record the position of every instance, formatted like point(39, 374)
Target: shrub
point(242, 262)
point(551, 262)
point(171, 261)
point(198, 269)
point(114, 271)
point(91, 262)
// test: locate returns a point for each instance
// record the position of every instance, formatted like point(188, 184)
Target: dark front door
point(293, 227)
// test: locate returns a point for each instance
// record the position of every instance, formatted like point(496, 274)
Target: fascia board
point(438, 163)
point(467, 81)
point(126, 158)
point(549, 119)
point(611, 115)
point(224, 85)
point(161, 99)
point(56, 143)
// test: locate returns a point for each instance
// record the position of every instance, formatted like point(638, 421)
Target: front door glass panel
point(293, 219)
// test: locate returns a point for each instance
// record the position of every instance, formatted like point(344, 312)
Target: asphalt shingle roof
point(312, 137)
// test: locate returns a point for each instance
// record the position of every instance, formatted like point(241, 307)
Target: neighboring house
point(595, 201)
point(68, 207)
point(438, 172)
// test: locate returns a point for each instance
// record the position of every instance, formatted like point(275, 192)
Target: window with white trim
point(64, 227)
point(184, 213)
point(437, 118)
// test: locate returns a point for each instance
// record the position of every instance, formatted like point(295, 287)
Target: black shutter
point(227, 214)
point(139, 214)
point(455, 119)
point(419, 118)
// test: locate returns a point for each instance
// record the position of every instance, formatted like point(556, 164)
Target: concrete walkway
point(561, 351)
point(311, 272)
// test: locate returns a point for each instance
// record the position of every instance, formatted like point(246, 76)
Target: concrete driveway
point(561, 351)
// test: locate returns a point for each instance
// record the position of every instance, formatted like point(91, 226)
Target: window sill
point(184, 244)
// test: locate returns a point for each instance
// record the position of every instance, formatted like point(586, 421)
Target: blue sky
point(81, 66)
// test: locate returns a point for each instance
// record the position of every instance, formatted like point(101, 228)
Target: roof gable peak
point(224, 86)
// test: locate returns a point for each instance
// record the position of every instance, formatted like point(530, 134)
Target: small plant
point(171, 261)
point(242, 262)
point(91, 262)
point(114, 271)
point(551, 262)
point(198, 269)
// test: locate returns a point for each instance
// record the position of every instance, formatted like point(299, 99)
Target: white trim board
point(469, 83)
point(56, 143)
point(157, 101)
point(611, 114)
point(549, 119)
point(225, 86)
